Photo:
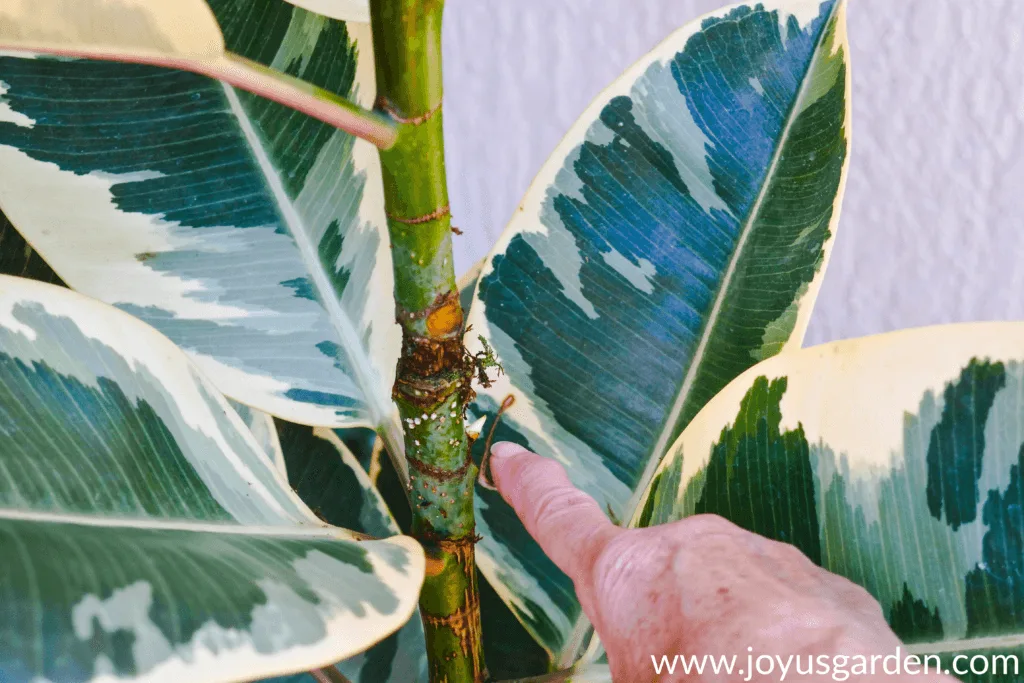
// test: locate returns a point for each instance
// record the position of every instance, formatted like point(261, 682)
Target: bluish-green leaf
point(251, 235)
point(896, 461)
point(677, 236)
point(143, 532)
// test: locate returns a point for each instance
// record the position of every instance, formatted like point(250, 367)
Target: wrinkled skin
point(697, 586)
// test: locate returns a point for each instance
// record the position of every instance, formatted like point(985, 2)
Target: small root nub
point(485, 479)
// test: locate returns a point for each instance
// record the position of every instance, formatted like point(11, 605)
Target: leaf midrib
point(357, 355)
point(231, 528)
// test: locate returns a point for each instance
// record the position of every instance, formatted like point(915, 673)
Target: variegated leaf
point(183, 29)
point(677, 236)
point(327, 476)
point(251, 235)
point(144, 535)
point(329, 479)
point(896, 461)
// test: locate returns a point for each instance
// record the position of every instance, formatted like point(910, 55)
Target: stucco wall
point(933, 223)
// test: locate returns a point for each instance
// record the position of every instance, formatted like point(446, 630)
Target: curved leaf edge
point(530, 205)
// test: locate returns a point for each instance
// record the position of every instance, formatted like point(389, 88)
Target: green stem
point(433, 384)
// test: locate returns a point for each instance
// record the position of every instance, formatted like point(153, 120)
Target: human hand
point(697, 586)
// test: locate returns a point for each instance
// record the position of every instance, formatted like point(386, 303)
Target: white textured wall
point(933, 223)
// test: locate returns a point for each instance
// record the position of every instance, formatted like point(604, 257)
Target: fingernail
point(500, 452)
point(506, 449)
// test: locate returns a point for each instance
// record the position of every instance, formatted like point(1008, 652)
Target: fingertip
point(503, 456)
point(504, 449)
point(506, 468)
point(566, 523)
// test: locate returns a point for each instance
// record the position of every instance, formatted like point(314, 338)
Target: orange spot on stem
point(445, 319)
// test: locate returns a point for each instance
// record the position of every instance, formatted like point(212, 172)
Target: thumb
point(568, 524)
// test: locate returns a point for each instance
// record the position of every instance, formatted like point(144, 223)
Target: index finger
point(567, 523)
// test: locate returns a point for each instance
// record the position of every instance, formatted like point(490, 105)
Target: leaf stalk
point(235, 70)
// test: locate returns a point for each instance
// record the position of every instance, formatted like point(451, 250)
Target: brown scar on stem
point(384, 104)
point(453, 621)
point(437, 214)
point(437, 548)
point(463, 621)
point(434, 566)
point(428, 394)
point(426, 357)
point(433, 366)
point(438, 473)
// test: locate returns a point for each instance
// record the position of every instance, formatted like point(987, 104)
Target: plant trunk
point(433, 384)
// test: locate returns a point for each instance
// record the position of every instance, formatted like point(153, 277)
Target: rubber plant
point(268, 372)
